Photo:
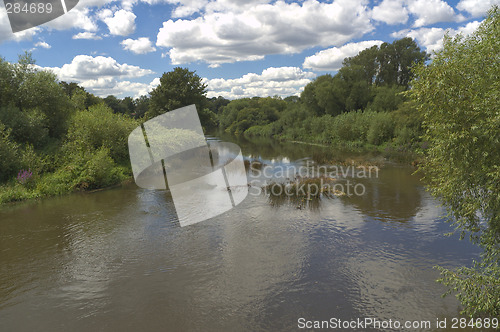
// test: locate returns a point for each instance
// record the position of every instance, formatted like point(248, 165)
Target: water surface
point(118, 259)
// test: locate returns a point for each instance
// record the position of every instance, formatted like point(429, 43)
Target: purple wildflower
point(24, 176)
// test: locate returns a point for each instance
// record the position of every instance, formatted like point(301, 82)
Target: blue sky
point(241, 48)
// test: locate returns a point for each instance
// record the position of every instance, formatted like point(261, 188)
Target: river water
point(117, 260)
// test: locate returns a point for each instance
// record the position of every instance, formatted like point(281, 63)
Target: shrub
point(387, 98)
point(99, 126)
point(351, 126)
point(10, 161)
point(29, 126)
point(57, 183)
point(30, 159)
point(408, 124)
point(16, 192)
point(381, 129)
point(262, 131)
point(99, 171)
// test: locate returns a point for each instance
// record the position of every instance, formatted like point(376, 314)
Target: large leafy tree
point(325, 95)
point(366, 61)
point(458, 95)
point(141, 106)
point(396, 60)
point(35, 96)
point(179, 87)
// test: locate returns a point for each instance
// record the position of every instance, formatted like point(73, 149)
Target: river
point(118, 260)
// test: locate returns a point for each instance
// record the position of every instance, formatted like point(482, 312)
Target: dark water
point(117, 260)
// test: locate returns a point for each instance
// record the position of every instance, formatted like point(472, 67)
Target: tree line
point(363, 104)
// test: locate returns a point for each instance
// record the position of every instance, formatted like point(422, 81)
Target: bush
point(387, 98)
point(33, 161)
point(29, 126)
point(53, 184)
point(99, 127)
point(16, 192)
point(262, 131)
point(350, 127)
point(99, 171)
point(381, 129)
point(408, 124)
point(10, 161)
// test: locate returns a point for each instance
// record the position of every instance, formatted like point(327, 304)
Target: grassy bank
point(395, 135)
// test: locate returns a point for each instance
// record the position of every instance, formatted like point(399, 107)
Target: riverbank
point(101, 177)
point(17, 192)
point(345, 152)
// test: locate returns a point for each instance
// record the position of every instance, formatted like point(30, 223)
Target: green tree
point(8, 83)
point(239, 115)
point(69, 88)
point(141, 106)
point(128, 105)
point(387, 98)
point(178, 88)
point(325, 95)
point(216, 104)
point(41, 90)
point(115, 104)
point(458, 95)
point(396, 60)
point(9, 156)
point(26, 88)
point(29, 126)
point(367, 62)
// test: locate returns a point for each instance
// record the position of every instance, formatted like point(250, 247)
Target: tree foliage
point(373, 77)
point(99, 127)
point(23, 88)
point(458, 95)
point(177, 88)
point(239, 115)
point(9, 157)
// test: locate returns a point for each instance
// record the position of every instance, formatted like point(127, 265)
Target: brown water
point(117, 260)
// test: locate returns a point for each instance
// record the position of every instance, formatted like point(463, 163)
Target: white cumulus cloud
point(105, 86)
point(104, 76)
point(120, 23)
point(138, 46)
point(77, 18)
point(476, 8)
point(390, 12)
point(432, 38)
point(281, 81)
point(86, 35)
point(431, 11)
point(331, 59)
point(42, 44)
point(252, 32)
point(84, 67)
